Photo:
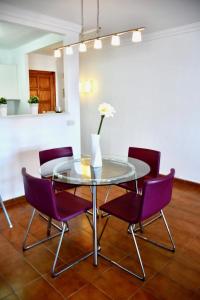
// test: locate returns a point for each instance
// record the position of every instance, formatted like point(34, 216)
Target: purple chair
point(51, 154)
point(134, 208)
point(61, 207)
point(152, 158)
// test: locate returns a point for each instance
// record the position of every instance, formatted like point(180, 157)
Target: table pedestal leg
point(94, 203)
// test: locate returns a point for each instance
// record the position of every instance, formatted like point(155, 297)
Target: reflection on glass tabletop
point(113, 171)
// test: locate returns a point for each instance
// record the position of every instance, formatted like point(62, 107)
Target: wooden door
point(42, 84)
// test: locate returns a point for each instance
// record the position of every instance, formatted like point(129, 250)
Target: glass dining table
point(78, 172)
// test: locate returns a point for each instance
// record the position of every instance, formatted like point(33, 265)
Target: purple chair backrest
point(50, 154)
point(156, 195)
point(151, 157)
point(39, 193)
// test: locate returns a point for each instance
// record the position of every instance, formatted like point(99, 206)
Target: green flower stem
point(102, 117)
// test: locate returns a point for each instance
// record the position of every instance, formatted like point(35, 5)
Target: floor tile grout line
point(75, 292)
point(54, 287)
point(27, 284)
point(8, 285)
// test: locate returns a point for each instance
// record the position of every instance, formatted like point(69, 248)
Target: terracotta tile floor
point(169, 276)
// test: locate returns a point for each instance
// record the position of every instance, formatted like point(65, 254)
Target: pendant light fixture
point(69, 50)
point(97, 44)
point(82, 47)
point(115, 41)
point(115, 37)
point(57, 53)
point(136, 36)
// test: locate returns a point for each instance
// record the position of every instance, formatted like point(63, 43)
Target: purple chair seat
point(125, 207)
point(70, 206)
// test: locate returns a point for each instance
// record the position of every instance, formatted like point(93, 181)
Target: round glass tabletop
point(80, 172)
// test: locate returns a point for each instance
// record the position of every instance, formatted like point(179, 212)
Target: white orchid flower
point(107, 110)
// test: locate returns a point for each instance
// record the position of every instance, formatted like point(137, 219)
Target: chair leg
point(103, 229)
point(28, 229)
point(168, 231)
point(27, 247)
point(49, 227)
point(75, 189)
point(141, 277)
point(56, 273)
point(148, 223)
point(58, 250)
point(136, 186)
point(52, 223)
point(138, 253)
point(172, 248)
point(103, 214)
point(5, 213)
point(107, 193)
point(140, 227)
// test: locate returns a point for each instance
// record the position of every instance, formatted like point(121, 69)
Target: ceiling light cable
point(82, 45)
point(97, 41)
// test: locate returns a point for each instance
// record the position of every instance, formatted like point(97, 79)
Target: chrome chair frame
point(64, 228)
point(133, 231)
point(5, 212)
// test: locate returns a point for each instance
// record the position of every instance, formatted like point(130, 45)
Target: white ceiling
point(14, 35)
point(116, 15)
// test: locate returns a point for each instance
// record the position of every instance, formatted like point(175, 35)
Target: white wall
point(8, 81)
point(154, 87)
point(22, 137)
point(6, 56)
point(42, 62)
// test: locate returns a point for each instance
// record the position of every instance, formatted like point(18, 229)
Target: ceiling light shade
point(115, 41)
point(69, 50)
point(97, 44)
point(82, 47)
point(136, 36)
point(57, 53)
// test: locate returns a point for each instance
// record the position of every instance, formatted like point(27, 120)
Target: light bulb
point(69, 50)
point(137, 36)
point(115, 41)
point(88, 86)
point(57, 53)
point(82, 47)
point(97, 44)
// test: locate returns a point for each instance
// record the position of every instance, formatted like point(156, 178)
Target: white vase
point(3, 110)
point(34, 108)
point(96, 157)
